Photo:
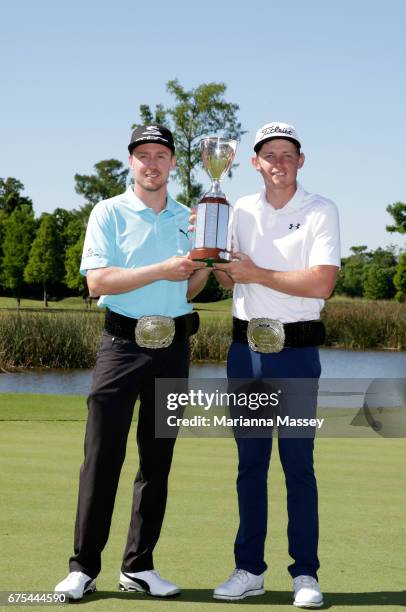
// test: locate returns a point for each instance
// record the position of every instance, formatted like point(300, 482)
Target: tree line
point(43, 254)
point(376, 275)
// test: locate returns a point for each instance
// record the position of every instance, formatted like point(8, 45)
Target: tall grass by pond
point(71, 339)
point(52, 340)
point(358, 324)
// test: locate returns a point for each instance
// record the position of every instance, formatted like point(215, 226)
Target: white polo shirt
point(302, 234)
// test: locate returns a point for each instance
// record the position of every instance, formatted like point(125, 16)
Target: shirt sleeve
point(325, 249)
point(99, 245)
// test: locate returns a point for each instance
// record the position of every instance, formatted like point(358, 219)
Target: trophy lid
point(217, 155)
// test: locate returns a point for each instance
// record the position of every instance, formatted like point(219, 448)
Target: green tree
point(359, 277)
point(359, 250)
point(398, 212)
point(11, 199)
point(18, 236)
point(75, 228)
point(386, 258)
point(10, 195)
point(73, 278)
point(109, 180)
point(63, 219)
point(196, 113)
point(399, 280)
point(3, 220)
point(351, 277)
point(147, 117)
point(378, 283)
point(379, 273)
point(45, 263)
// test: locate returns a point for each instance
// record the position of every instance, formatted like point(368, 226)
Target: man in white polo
point(286, 259)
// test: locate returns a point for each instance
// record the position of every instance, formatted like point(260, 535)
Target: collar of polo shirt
point(139, 205)
point(296, 201)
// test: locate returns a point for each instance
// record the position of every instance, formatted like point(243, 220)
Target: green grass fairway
point(222, 307)
point(214, 309)
point(362, 490)
point(69, 302)
point(210, 309)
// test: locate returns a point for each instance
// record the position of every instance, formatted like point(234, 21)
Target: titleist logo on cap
point(276, 129)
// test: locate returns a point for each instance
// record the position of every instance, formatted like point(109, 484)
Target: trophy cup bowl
point(213, 215)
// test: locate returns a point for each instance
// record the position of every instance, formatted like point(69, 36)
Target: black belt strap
point(124, 327)
point(299, 334)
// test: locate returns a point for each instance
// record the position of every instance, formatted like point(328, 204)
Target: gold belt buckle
point(155, 331)
point(265, 335)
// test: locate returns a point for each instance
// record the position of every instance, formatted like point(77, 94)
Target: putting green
point(362, 490)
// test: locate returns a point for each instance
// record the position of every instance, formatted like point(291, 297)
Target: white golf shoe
point(149, 582)
point(307, 592)
point(76, 584)
point(239, 585)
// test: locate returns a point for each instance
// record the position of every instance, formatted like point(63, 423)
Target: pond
point(335, 364)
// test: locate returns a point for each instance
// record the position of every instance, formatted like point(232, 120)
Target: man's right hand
point(178, 268)
point(114, 280)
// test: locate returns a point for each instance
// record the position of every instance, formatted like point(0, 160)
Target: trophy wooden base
point(209, 256)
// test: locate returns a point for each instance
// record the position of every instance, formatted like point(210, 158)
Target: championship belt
point(155, 331)
point(265, 335)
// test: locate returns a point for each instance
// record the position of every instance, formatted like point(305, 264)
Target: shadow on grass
point(370, 600)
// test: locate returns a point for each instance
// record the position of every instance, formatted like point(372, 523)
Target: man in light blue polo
point(135, 258)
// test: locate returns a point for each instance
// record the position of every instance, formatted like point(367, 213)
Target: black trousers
point(123, 372)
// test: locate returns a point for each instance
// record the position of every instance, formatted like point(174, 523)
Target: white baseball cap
point(276, 129)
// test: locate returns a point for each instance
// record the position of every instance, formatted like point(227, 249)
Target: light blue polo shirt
point(123, 232)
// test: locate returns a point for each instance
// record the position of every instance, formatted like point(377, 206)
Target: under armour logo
point(292, 225)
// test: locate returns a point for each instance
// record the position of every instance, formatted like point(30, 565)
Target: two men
point(285, 265)
point(135, 258)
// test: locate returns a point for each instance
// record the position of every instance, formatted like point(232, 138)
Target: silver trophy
point(213, 215)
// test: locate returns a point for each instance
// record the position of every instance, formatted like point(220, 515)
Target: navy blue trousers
point(296, 455)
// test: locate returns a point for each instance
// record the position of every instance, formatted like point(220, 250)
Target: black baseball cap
point(156, 134)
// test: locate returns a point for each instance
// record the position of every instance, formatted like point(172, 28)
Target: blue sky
point(73, 75)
